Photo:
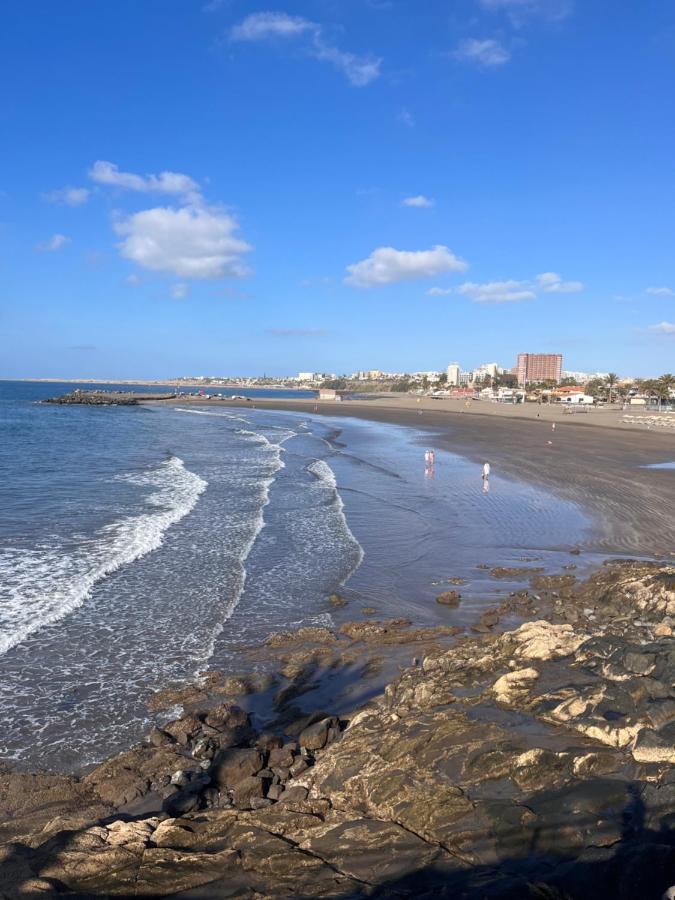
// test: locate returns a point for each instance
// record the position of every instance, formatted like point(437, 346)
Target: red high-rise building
point(539, 367)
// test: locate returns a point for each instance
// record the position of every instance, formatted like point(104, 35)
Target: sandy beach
point(593, 459)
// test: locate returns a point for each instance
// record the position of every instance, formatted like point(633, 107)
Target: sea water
point(141, 546)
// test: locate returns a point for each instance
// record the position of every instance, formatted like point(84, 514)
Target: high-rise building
point(539, 367)
point(453, 373)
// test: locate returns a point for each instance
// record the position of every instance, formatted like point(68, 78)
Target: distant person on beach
point(486, 471)
point(553, 426)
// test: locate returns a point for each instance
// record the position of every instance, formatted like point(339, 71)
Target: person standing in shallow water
point(486, 471)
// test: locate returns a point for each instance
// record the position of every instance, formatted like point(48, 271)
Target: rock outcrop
point(536, 763)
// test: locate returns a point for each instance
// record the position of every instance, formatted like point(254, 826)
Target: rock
point(227, 714)
point(337, 601)
point(514, 685)
point(159, 738)
point(269, 742)
point(248, 789)
point(184, 729)
point(449, 598)
point(544, 640)
point(649, 747)
point(663, 630)
point(512, 573)
point(230, 767)
point(309, 635)
point(316, 736)
point(281, 757)
point(294, 794)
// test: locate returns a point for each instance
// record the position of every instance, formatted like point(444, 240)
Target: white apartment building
point(453, 371)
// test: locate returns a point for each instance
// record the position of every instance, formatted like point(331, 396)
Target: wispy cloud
point(55, 242)
point(67, 196)
point(297, 332)
point(552, 283)
point(84, 348)
point(179, 291)
point(519, 11)
point(405, 117)
point(266, 26)
point(487, 53)
point(173, 183)
point(661, 291)
point(439, 292)
point(498, 291)
point(262, 25)
point(386, 265)
point(663, 328)
point(419, 201)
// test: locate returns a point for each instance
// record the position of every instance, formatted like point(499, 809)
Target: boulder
point(449, 598)
point(316, 736)
point(230, 767)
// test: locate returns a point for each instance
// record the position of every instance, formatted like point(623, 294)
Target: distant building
point(453, 371)
point(329, 394)
point(539, 367)
point(465, 378)
point(491, 369)
point(308, 376)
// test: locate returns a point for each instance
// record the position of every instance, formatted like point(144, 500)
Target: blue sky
point(220, 186)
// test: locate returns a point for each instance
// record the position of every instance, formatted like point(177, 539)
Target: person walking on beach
point(486, 471)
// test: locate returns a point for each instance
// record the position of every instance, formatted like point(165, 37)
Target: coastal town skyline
point(311, 184)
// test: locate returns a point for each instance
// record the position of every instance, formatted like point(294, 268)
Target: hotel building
point(538, 367)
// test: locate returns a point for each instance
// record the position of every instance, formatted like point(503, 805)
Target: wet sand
point(592, 459)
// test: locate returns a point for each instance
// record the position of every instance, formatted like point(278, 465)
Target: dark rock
point(269, 741)
point(246, 790)
point(449, 598)
point(184, 729)
point(315, 736)
point(281, 757)
point(274, 791)
point(230, 767)
point(294, 794)
point(159, 738)
point(227, 714)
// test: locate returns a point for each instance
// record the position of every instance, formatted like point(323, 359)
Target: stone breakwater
point(536, 762)
point(106, 398)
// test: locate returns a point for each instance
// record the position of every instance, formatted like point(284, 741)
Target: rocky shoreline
point(106, 398)
point(533, 762)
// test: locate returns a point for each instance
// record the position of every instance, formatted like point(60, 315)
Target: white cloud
point(55, 242)
point(359, 70)
point(405, 117)
point(68, 196)
point(262, 26)
point(519, 10)
point(385, 265)
point(498, 291)
point(486, 53)
point(663, 328)
point(190, 242)
point(552, 283)
point(174, 183)
point(179, 291)
point(661, 291)
point(438, 292)
point(132, 280)
point(420, 201)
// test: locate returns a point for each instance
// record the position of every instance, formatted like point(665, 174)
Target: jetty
point(107, 398)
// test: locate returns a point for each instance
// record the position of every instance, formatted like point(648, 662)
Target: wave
point(40, 587)
point(326, 478)
point(210, 412)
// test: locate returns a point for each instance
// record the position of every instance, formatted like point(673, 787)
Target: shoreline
point(495, 761)
point(599, 464)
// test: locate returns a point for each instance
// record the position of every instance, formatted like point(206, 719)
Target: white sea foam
point(326, 477)
point(210, 412)
point(39, 587)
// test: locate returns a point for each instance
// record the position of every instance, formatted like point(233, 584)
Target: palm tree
point(610, 381)
point(667, 383)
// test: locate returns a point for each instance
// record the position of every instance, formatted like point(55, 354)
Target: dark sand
point(594, 460)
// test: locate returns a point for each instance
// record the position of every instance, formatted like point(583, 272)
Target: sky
point(226, 187)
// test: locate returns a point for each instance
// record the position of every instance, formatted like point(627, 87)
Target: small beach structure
point(329, 394)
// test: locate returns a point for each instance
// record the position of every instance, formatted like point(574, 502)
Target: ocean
point(141, 546)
